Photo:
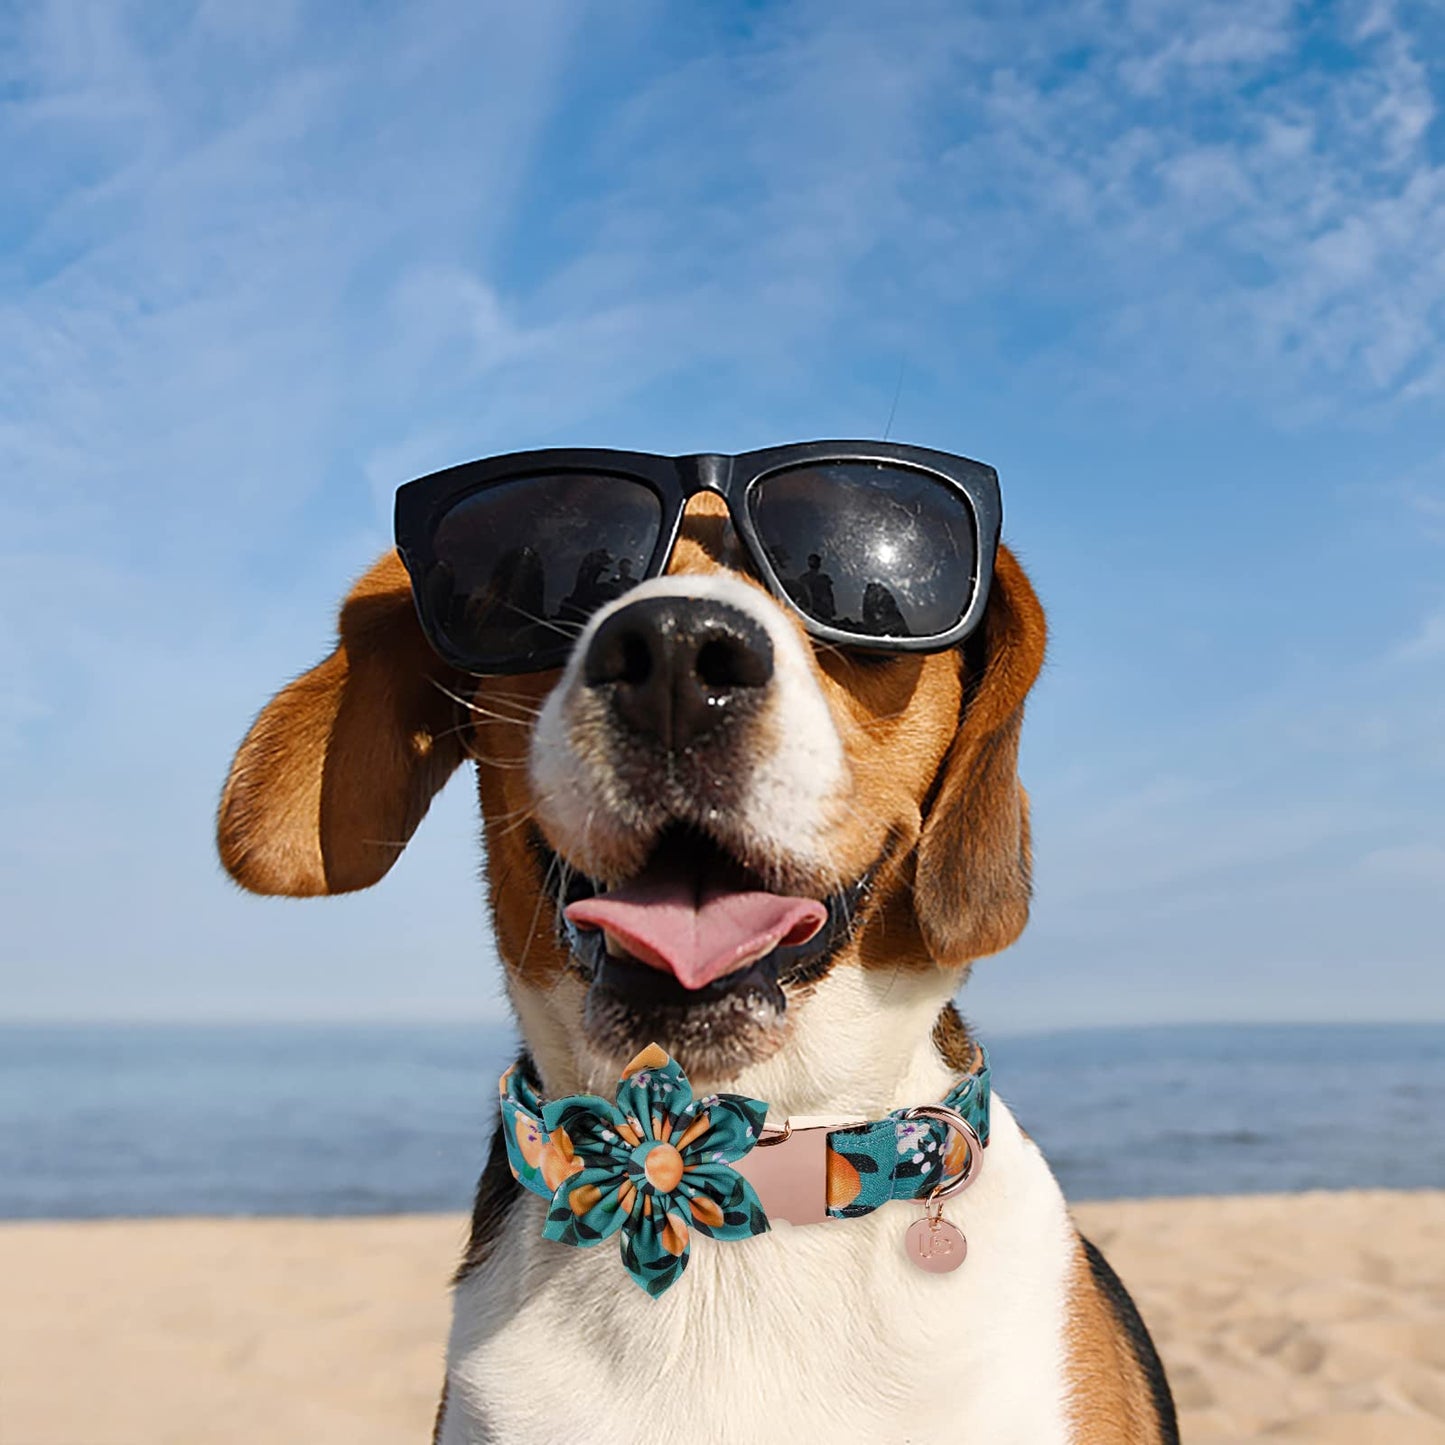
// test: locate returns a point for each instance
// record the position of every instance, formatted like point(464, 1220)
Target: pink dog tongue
point(663, 923)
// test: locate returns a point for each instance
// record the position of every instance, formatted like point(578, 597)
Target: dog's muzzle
point(688, 886)
point(675, 673)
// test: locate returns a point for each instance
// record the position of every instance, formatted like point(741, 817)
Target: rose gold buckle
point(947, 1188)
point(788, 1169)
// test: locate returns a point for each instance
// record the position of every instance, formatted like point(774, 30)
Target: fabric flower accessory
point(650, 1168)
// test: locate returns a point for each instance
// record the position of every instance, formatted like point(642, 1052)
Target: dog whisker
point(488, 714)
point(542, 895)
point(505, 823)
point(560, 626)
point(500, 764)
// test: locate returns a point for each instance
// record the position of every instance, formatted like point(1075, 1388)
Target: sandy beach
point(1311, 1317)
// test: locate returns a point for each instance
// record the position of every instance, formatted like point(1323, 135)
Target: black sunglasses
point(873, 545)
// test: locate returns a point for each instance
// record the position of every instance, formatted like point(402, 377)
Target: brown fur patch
point(1111, 1399)
point(955, 1042)
point(974, 860)
point(340, 767)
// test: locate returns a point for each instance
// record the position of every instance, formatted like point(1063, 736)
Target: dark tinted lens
point(521, 565)
point(869, 548)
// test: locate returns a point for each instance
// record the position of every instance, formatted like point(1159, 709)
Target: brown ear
point(342, 765)
point(972, 887)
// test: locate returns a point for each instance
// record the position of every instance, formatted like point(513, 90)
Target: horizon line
point(501, 1020)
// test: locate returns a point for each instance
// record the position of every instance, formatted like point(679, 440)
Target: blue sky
point(1176, 269)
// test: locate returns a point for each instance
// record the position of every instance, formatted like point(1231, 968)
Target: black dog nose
point(677, 666)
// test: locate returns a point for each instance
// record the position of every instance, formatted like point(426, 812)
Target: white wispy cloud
point(1427, 644)
point(1248, 217)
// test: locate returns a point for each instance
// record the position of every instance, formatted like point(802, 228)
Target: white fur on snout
point(796, 776)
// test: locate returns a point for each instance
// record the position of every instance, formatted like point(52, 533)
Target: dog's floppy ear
point(971, 890)
point(341, 766)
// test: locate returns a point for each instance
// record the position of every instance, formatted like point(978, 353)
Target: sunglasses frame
point(675, 480)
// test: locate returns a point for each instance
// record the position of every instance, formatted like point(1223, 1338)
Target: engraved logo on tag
point(935, 1245)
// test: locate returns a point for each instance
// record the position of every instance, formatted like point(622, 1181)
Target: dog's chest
point(826, 1329)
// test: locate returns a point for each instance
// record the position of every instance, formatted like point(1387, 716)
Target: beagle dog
point(742, 824)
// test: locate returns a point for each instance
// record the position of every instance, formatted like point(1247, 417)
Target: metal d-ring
point(972, 1166)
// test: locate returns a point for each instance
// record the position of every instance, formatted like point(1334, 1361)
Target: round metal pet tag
point(935, 1245)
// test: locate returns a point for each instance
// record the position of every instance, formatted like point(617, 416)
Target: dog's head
point(771, 856)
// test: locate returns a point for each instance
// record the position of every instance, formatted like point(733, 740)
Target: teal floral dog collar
point(659, 1164)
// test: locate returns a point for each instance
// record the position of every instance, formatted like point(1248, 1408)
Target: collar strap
point(659, 1164)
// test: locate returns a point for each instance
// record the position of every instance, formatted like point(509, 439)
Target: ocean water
point(158, 1120)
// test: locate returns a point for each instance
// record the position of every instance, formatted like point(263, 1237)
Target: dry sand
point(1317, 1317)
point(1314, 1317)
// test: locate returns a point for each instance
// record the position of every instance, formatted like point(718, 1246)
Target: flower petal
point(654, 1094)
point(735, 1124)
point(654, 1056)
point(706, 1210)
point(724, 1204)
point(655, 1250)
point(588, 1120)
point(557, 1160)
point(586, 1209)
point(685, 1130)
point(673, 1236)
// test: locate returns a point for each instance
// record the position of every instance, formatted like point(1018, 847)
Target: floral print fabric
point(656, 1166)
point(898, 1158)
point(651, 1168)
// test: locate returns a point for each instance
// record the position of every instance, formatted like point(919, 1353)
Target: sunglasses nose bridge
point(705, 472)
